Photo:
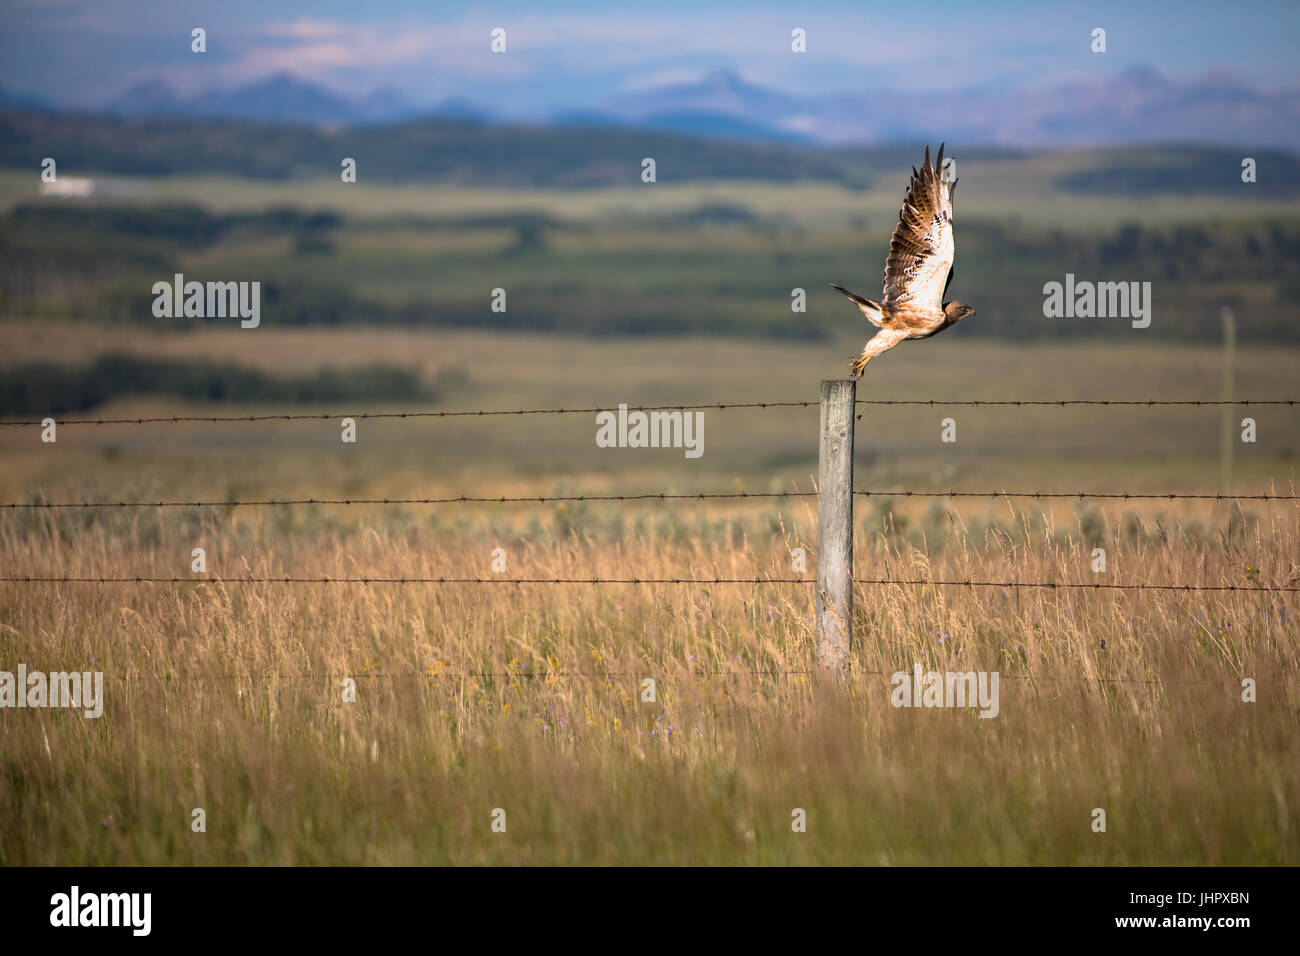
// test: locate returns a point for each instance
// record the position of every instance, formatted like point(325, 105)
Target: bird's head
point(953, 311)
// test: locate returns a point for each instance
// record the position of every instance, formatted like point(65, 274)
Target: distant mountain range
point(1139, 104)
point(283, 98)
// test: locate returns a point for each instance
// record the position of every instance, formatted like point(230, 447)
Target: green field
point(693, 257)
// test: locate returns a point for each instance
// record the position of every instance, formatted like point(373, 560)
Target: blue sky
point(572, 55)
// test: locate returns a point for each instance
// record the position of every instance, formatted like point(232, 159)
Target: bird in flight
point(918, 269)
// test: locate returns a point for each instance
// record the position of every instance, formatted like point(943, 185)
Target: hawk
point(918, 269)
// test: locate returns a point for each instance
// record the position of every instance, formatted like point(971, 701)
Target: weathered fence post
point(1228, 440)
point(835, 524)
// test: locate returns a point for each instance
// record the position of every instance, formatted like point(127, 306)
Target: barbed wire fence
point(500, 580)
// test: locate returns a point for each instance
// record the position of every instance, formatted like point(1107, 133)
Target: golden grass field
point(227, 696)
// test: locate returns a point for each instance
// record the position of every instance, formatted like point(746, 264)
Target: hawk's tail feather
point(868, 307)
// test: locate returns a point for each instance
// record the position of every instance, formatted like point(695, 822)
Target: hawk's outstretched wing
point(921, 250)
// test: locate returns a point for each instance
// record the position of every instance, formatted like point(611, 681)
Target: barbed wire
point(475, 413)
point(531, 675)
point(652, 496)
point(1150, 402)
point(1116, 495)
point(290, 579)
point(720, 406)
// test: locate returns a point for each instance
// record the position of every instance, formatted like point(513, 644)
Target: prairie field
point(528, 698)
point(229, 696)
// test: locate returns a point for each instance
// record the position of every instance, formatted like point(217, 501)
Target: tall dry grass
point(227, 696)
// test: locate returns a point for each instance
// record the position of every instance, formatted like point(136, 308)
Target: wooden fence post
point(1228, 440)
point(835, 524)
